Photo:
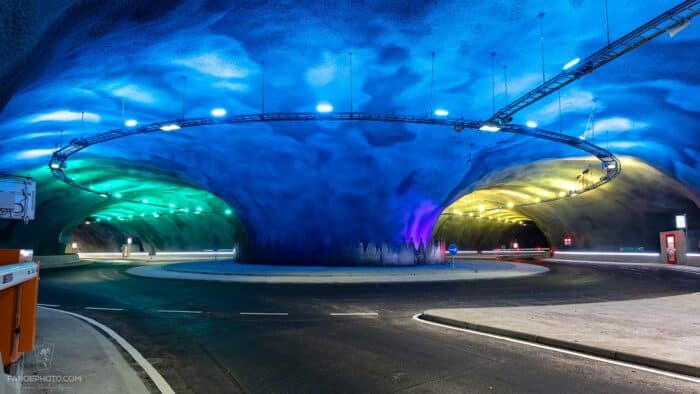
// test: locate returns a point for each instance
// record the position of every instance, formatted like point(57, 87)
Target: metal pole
point(184, 89)
point(432, 76)
point(607, 21)
point(559, 99)
point(505, 81)
point(262, 90)
point(350, 54)
point(493, 81)
point(541, 15)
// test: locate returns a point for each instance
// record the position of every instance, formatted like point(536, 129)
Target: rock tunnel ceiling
point(83, 68)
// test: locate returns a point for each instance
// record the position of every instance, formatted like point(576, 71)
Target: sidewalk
point(663, 333)
point(252, 273)
point(72, 356)
point(670, 267)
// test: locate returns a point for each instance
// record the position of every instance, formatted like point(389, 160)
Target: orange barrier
point(19, 285)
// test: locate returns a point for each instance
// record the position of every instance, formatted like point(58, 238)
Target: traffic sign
point(453, 249)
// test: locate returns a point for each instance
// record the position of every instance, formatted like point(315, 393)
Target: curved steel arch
point(57, 164)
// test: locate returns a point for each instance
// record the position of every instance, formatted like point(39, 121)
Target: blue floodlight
point(441, 112)
point(571, 64)
point(531, 124)
point(131, 123)
point(218, 112)
point(324, 108)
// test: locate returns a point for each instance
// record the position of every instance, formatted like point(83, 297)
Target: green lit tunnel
point(169, 213)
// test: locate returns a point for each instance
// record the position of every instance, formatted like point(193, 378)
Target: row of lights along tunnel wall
point(670, 21)
point(610, 163)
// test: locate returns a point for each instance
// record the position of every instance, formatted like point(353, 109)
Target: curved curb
point(152, 373)
point(161, 272)
point(664, 365)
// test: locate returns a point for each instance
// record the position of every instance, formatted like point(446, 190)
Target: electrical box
point(19, 284)
point(17, 198)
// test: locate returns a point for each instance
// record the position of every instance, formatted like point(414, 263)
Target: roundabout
point(222, 271)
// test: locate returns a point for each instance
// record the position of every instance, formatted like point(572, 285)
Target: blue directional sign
point(453, 249)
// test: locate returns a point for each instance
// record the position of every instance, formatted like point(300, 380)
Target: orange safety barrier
point(18, 299)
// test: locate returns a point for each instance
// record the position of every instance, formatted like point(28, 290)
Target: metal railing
point(57, 164)
point(680, 14)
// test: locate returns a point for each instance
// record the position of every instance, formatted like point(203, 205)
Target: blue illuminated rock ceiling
point(305, 186)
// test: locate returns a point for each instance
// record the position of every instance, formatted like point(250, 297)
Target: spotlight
point(218, 112)
point(228, 212)
point(441, 112)
point(531, 124)
point(489, 127)
point(571, 64)
point(55, 166)
point(324, 108)
point(678, 27)
point(131, 123)
point(170, 127)
point(510, 205)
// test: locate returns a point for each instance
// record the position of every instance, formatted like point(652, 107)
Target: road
point(228, 337)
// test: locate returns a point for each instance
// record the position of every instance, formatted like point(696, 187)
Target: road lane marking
point(355, 314)
point(49, 305)
point(177, 311)
point(152, 373)
point(99, 308)
point(264, 313)
point(687, 378)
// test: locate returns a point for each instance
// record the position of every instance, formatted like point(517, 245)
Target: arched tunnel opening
point(158, 210)
point(530, 203)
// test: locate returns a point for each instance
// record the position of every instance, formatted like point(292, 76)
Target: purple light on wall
point(419, 225)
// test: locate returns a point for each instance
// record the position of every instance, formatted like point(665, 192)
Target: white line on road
point(687, 378)
point(152, 373)
point(177, 311)
point(98, 308)
point(355, 314)
point(264, 313)
point(49, 305)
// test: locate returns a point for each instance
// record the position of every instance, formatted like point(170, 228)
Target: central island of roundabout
point(228, 271)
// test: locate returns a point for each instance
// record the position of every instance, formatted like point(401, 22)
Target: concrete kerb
point(155, 377)
point(306, 275)
point(661, 364)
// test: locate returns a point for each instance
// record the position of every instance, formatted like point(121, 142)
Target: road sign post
point(453, 249)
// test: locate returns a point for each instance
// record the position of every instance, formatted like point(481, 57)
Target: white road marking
point(98, 308)
point(49, 305)
point(687, 378)
point(152, 373)
point(355, 314)
point(264, 313)
point(177, 311)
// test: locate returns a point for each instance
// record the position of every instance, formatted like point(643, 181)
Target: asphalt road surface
point(226, 337)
